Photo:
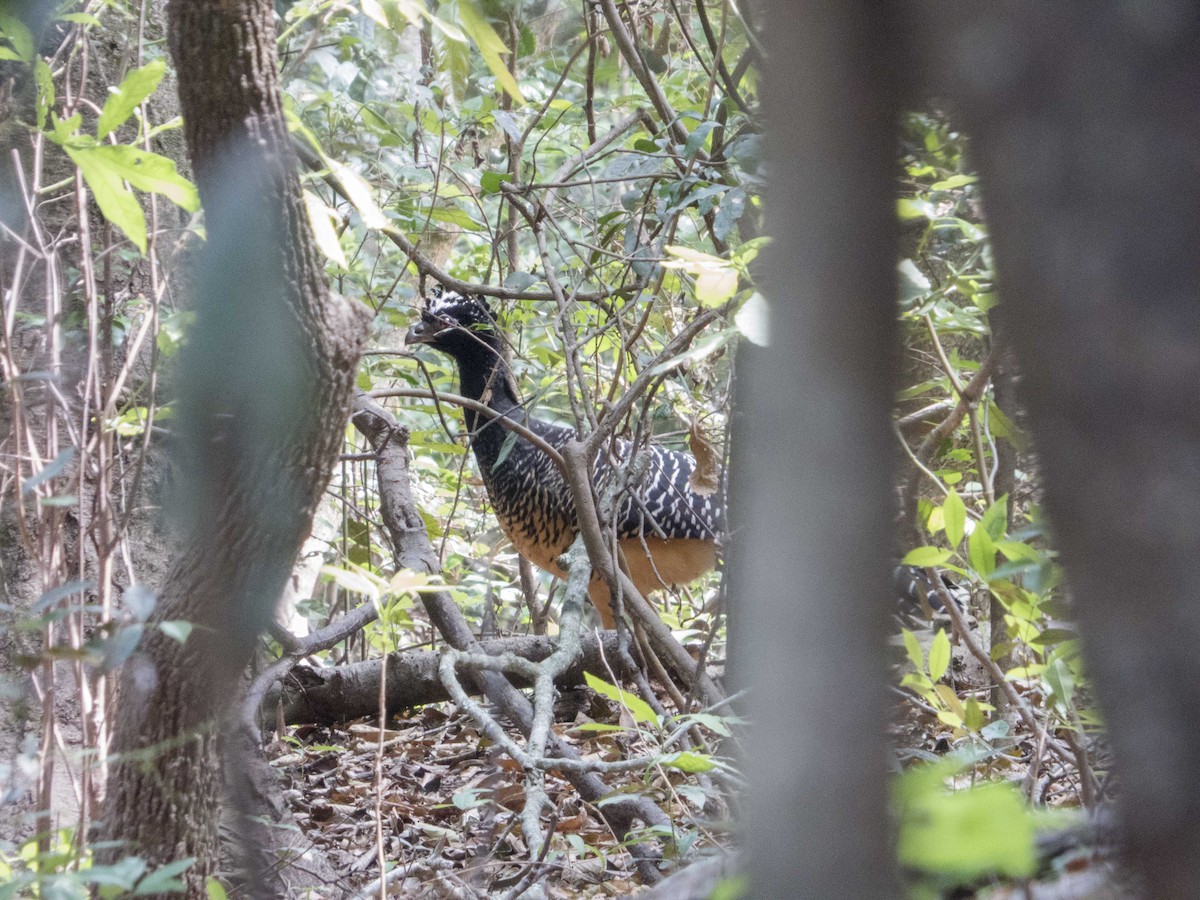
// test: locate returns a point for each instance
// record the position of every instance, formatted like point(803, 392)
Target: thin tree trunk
point(811, 480)
point(265, 395)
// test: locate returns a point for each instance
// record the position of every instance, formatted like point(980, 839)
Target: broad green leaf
point(908, 209)
point(489, 182)
point(966, 834)
point(1018, 552)
point(995, 519)
point(148, 172)
point(638, 708)
point(954, 516)
point(975, 718)
point(939, 655)
point(490, 47)
point(452, 215)
point(981, 551)
point(15, 32)
point(134, 88)
point(924, 557)
point(106, 167)
point(686, 761)
point(321, 218)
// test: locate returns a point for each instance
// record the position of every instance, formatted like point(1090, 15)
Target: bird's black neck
point(484, 376)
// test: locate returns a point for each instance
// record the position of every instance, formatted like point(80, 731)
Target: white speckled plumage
point(527, 490)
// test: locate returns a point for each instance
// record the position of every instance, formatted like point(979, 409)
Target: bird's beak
point(422, 333)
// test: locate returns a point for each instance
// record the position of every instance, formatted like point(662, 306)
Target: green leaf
point(452, 215)
point(510, 441)
point(954, 181)
point(697, 138)
point(939, 655)
point(913, 646)
point(686, 761)
point(490, 47)
point(974, 719)
point(598, 726)
point(490, 182)
point(134, 88)
point(214, 890)
point(15, 32)
point(924, 557)
point(45, 91)
point(954, 516)
point(105, 168)
point(909, 209)
point(638, 708)
point(995, 519)
point(1018, 552)
point(981, 551)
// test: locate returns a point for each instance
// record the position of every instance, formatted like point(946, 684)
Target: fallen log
point(324, 696)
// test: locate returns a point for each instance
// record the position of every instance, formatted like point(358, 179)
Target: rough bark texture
point(1087, 133)
point(808, 571)
point(265, 391)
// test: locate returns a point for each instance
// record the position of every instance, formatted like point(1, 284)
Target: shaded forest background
point(599, 171)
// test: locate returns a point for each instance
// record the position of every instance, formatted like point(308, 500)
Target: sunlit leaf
point(490, 47)
point(137, 85)
point(924, 557)
point(322, 218)
point(954, 517)
point(638, 708)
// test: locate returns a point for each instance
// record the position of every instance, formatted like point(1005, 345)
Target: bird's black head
point(450, 319)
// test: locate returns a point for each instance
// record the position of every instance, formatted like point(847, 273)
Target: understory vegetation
point(596, 170)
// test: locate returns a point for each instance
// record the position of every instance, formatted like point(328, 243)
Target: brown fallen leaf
point(706, 477)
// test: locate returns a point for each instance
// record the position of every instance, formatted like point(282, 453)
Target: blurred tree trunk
point(812, 508)
point(264, 399)
point(1086, 131)
point(1087, 134)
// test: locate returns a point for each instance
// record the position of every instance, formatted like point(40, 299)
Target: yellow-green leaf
point(981, 551)
point(134, 88)
point(924, 557)
point(939, 655)
point(490, 47)
point(954, 516)
point(913, 646)
point(116, 201)
point(638, 708)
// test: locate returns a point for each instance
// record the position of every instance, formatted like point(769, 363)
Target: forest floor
point(441, 805)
